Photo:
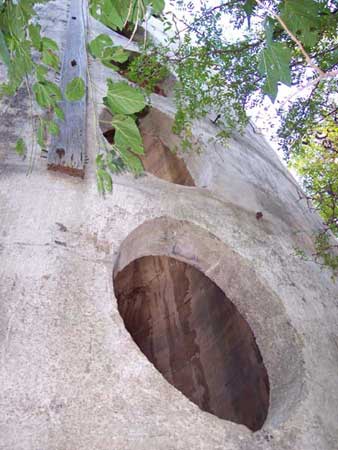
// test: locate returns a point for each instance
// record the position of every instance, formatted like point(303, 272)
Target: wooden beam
point(68, 149)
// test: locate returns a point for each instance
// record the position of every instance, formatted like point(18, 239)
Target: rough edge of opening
point(175, 158)
point(156, 129)
point(266, 316)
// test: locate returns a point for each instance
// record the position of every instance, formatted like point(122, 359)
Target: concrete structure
point(72, 377)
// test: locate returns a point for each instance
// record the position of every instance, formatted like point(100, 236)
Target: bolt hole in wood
point(195, 336)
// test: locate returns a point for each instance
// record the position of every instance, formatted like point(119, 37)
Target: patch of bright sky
point(264, 117)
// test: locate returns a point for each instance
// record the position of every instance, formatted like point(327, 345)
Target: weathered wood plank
point(68, 149)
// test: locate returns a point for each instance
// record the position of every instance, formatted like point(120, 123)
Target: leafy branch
point(122, 100)
point(32, 59)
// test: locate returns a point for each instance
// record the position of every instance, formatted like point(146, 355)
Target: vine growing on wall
point(32, 60)
point(290, 42)
point(123, 100)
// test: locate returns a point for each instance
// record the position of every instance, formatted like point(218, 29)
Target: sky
point(264, 116)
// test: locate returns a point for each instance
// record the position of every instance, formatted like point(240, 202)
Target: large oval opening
point(195, 336)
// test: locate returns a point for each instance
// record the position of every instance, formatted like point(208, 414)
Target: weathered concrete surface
point(71, 375)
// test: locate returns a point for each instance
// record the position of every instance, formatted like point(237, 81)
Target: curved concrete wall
point(71, 375)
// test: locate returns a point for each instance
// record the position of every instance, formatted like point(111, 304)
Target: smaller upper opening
point(162, 149)
point(160, 158)
point(129, 31)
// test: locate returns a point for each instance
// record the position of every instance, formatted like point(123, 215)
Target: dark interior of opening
point(158, 158)
point(195, 336)
point(129, 30)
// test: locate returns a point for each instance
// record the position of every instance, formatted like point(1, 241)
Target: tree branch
point(296, 40)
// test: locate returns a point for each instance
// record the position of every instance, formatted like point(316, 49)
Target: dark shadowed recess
point(194, 335)
point(160, 161)
point(158, 158)
point(130, 31)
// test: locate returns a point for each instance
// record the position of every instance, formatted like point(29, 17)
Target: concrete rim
point(280, 346)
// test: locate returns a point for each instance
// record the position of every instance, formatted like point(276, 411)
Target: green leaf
point(41, 72)
point(269, 29)
point(132, 161)
point(75, 89)
point(23, 61)
point(119, 54)
point(20, 147)
point(49, 44)
point(98, 45)
point(102, 47)
point(107, 57)
point(59, 112)
point(99, 161)
point(127, 134)
point(4, 53)
point(50, 59)
point(42, 95)
point(21, 64)
point(99, 182)
point(106, 11)
point(109, 64)
point(158, 6)
point(275, 64)
point(105, 182)
point(41, 134)
point(112, 163)
point(46, 93)
point(53, 128)
point(53, 90)
point(304, 18)
point(111, 15)
point(124, 99)
point(34, 34)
